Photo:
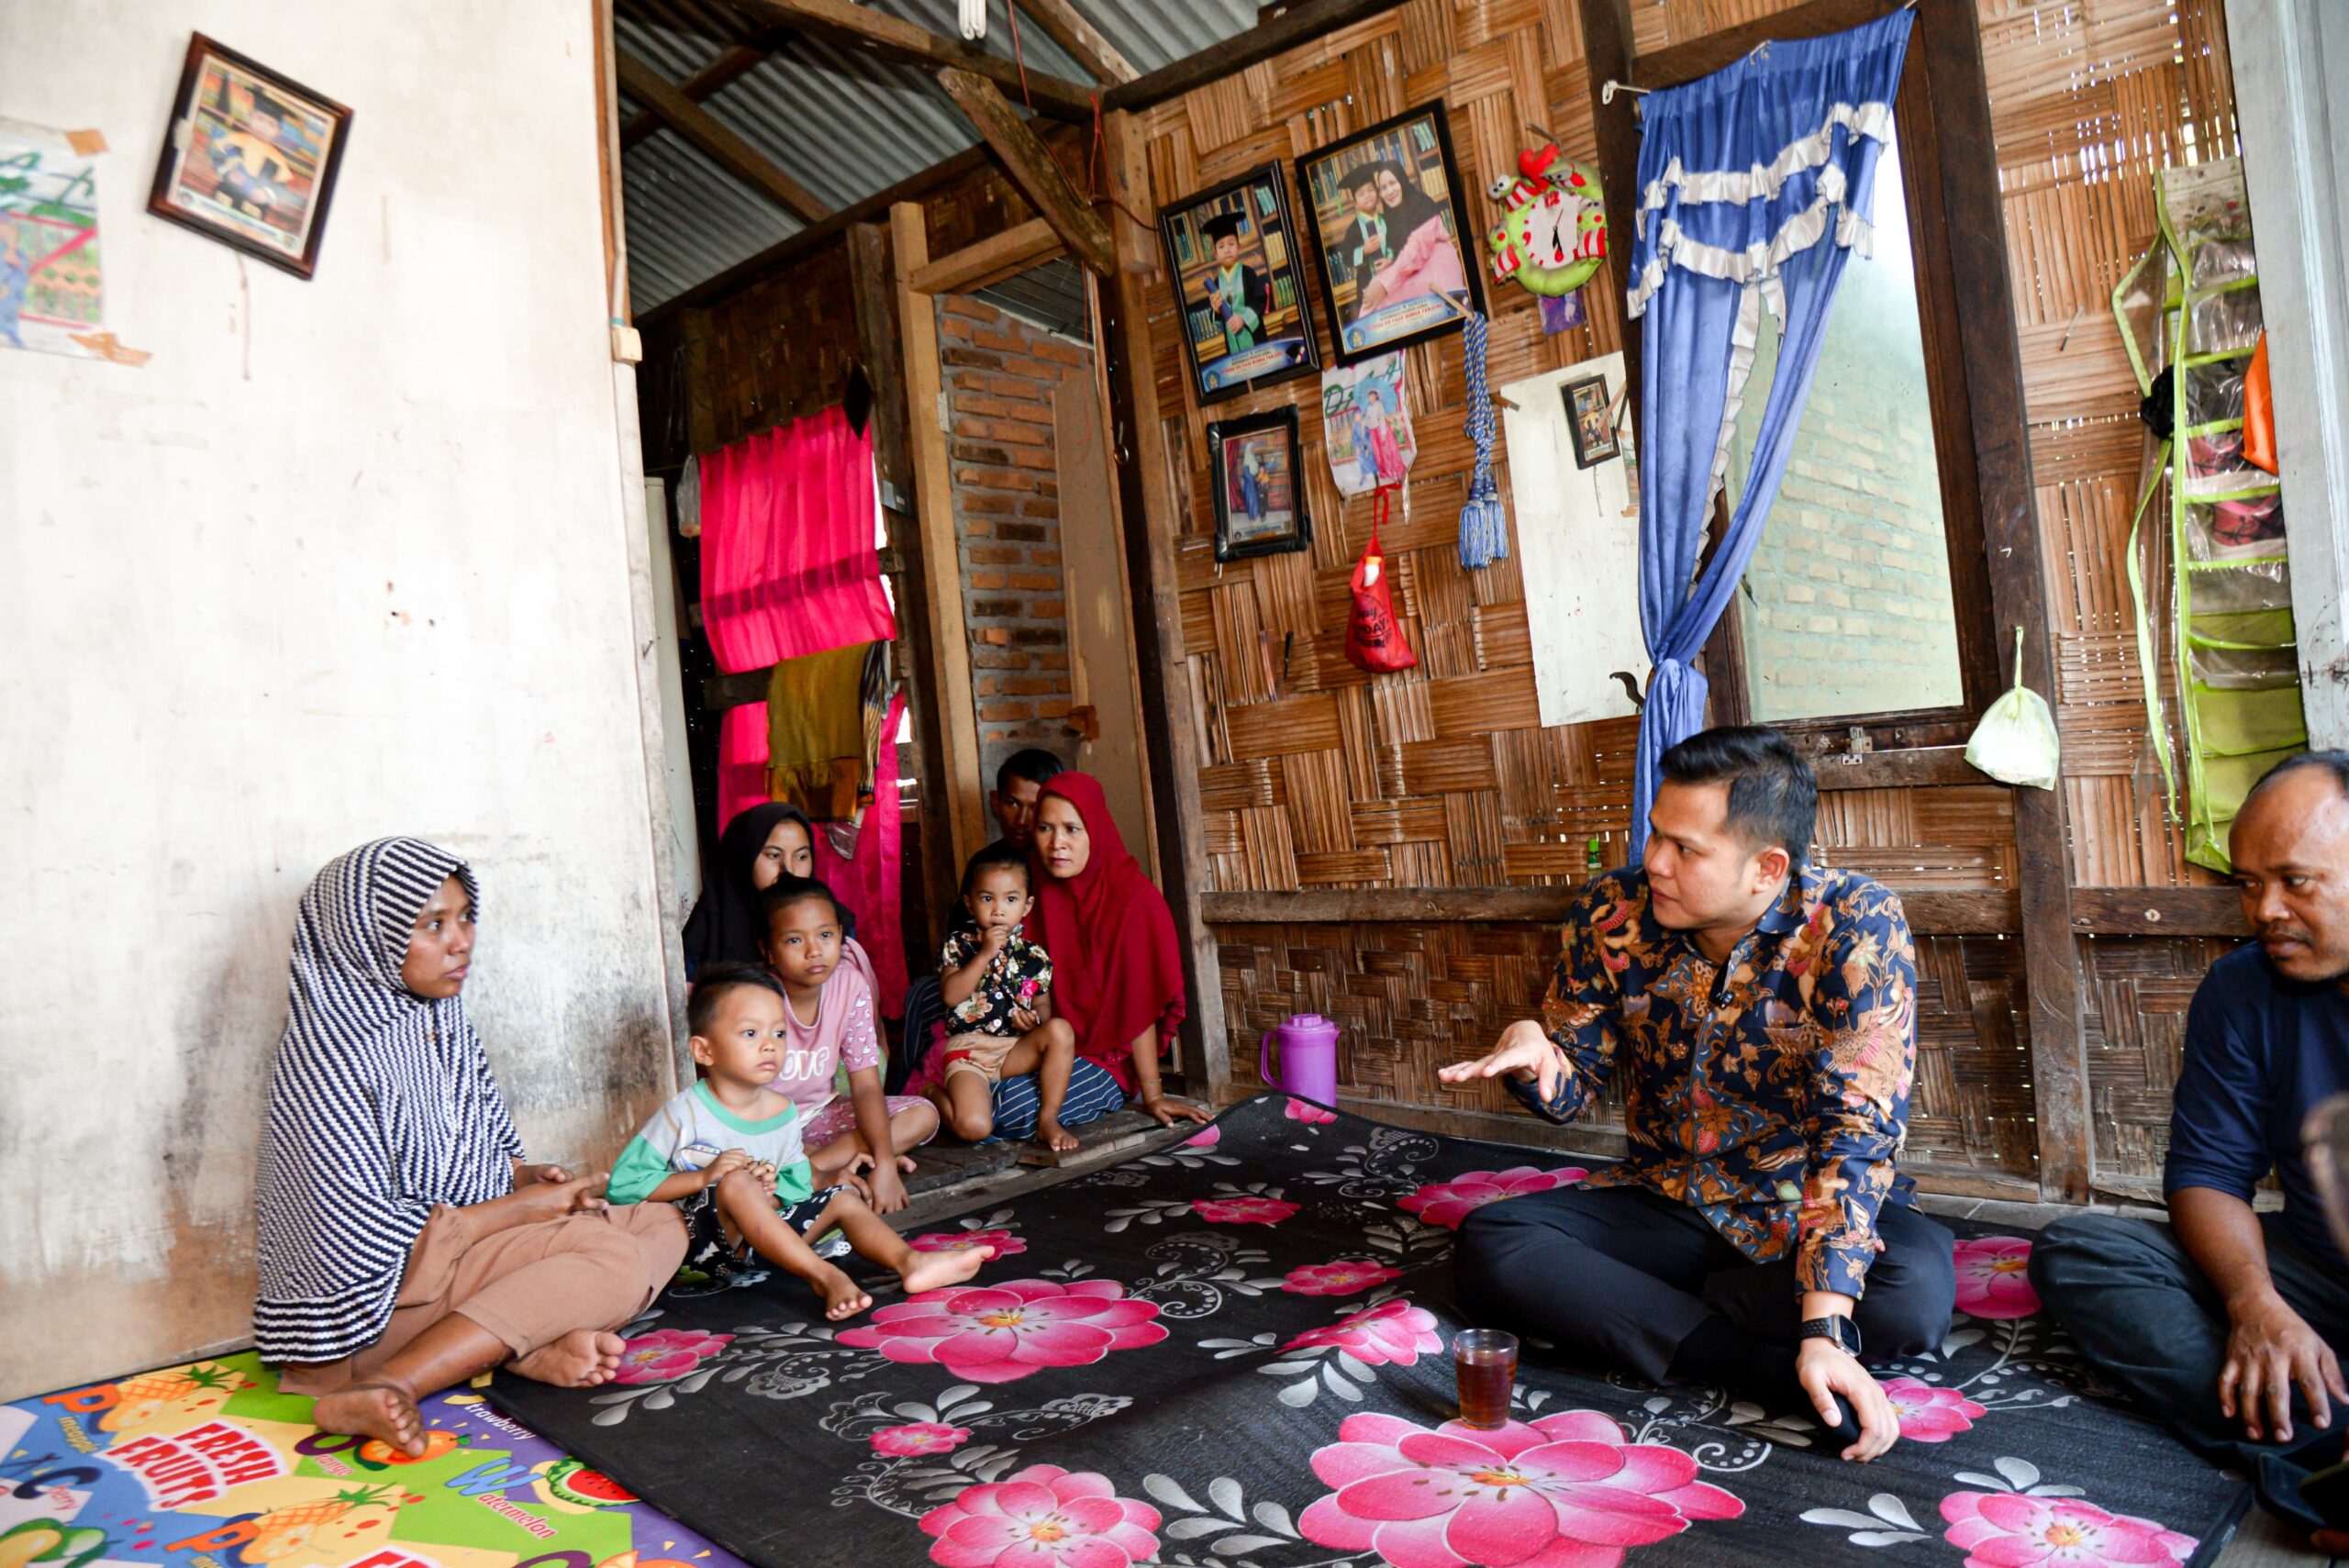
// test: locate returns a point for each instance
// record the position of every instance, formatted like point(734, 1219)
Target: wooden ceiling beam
point(991, 260)
point(711, 78)
point(886, 35)
point(1067, 27)
point(725, 148)
point(1033, 169)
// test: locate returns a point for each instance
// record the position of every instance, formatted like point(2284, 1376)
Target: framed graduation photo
point(249, 158)
point(1259, 497)
point(1231, 252)
point(1397, 263)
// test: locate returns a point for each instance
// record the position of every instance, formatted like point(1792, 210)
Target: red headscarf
point(1117, 970)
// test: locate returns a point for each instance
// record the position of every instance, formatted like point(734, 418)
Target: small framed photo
point(249, 158)
point(1590, 414)
point(1231, 252)
point(1259, 499)
point(1397, 266)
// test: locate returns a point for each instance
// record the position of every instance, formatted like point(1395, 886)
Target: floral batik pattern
point(1771, 1092)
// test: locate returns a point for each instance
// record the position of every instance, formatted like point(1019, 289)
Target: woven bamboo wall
point(1320, 776)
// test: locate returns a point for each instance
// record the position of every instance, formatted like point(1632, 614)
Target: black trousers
point(1619, 1276)
point(2147, 1320)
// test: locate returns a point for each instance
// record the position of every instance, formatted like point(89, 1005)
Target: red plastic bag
point(2259, 412)
point(1374, 640)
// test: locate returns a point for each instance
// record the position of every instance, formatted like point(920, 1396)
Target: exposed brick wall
point(1848, 606)
point(1000, 373)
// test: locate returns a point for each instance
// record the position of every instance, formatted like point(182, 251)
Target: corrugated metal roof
point(1050, 294)
point(845, 123)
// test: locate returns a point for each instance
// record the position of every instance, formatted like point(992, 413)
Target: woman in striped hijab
point(405, 1244)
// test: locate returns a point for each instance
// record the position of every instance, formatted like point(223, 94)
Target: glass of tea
point(1485, 1360)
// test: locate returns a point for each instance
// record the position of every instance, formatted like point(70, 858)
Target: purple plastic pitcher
point(1308, 1058)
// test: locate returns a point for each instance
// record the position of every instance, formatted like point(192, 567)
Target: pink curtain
point(873, 883)
point(787, 559)
point(742, 761)
point(789, 567)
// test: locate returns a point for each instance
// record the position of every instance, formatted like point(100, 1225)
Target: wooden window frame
point(1937, 198)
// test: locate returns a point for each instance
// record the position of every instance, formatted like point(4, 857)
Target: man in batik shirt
point(1761, 1015)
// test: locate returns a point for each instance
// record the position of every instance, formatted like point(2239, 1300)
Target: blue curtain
point(1755, 184)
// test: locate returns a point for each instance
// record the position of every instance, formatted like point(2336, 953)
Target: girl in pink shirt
point(831, 1023)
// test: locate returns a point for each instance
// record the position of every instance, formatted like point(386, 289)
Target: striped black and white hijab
point(381, 1105)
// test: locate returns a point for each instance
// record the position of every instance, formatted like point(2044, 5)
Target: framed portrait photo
point(249, 158)
point(1231, 252)
point(1590, 417)
point(1398, 264)
point(1259, 495)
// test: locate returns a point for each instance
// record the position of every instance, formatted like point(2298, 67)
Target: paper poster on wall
point(1365, 425)
point(52, 298)
point(1578, 547)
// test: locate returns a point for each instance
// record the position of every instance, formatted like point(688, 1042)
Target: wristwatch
point(1841, 1332)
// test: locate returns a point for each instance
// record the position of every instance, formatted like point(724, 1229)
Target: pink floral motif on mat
point(1991, 1282)
point(1347, 1276)
point(1930, 1415)
point(1563, 1492)
point(1448, 1203)
point(919, 1438)
point(1043, 1516)
point(2009, 1529)
point(1242, 1210)
point(1003, 1332)
point(667, 1353)
point(1005, 1242)
point(1394, 1332)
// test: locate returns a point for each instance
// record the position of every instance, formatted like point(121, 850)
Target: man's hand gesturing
point(1524, 1053)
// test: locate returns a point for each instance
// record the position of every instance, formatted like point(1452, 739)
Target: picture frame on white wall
point(249, 158)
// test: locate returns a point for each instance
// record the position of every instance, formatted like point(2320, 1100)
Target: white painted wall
point(347, 557)
point(2291, 66)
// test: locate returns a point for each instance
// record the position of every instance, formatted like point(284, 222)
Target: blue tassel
point(1484, 523)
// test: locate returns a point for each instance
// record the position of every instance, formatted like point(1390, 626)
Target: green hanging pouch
point(2016, 742)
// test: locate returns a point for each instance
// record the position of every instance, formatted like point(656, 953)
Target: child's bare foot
point(929, 1271)
point(906, 1165)
point(842, 1298)
point(581, 1359)
point(1056, 1137)
point(381, 1410)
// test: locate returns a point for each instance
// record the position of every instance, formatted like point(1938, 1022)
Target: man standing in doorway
point(1018, 784)
point(1762, 1011)
point(2230, 1325)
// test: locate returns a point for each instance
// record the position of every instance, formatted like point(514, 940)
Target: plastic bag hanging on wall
point(1374, 637)
point(2015, 742)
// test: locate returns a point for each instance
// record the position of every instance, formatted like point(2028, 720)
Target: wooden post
point(880, 346)
point(1948, 32)
point(964, 805)
point(1148, 516)
point(1032, 168)
point(1081, 39)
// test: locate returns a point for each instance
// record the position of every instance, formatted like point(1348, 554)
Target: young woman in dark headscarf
point(1116, 971)
point(405, 1244)
point(759, 845)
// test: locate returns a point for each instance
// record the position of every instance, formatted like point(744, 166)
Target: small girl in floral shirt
point(998, 988)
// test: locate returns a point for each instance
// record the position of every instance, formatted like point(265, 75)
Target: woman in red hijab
point(1117, 971)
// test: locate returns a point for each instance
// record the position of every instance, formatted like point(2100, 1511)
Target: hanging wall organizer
point(2189, 315)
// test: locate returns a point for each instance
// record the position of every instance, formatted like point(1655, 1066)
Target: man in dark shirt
point(1762, 1015)
point(2230, 1325)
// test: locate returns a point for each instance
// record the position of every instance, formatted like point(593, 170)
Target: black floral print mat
point(1235, 1353)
